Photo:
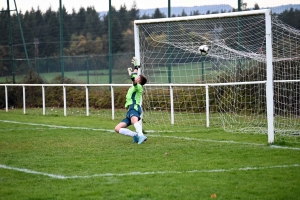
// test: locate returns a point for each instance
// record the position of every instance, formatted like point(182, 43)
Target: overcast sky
point(102, 5)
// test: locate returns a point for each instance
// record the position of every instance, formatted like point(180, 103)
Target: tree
point(123, 17)
point(94, 44)
point(158, 14)
point(117, 37)
point(80, 21)
point(144, 16)
point(291, 17)
point(49, 45)
point(77, 45)
point(134, 13)
point(86, 23)
point(128, 43)
point(67, 26)
point(196, 12)
point(183, 13)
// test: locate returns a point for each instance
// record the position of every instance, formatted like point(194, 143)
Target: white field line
point(20, 129)
point(174, 137)
point(206, 140)
point(57, 176)
point(55, 126)
point(227, 141)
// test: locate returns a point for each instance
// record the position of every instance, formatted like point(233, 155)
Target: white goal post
point(238, 69)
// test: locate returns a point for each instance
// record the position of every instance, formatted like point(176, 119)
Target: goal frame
point(269, 54)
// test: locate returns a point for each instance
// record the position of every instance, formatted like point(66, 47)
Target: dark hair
point(143, 79)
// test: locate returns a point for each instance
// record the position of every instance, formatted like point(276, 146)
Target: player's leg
point(139, 130)
point(135, 121)
point(122, 129)
point(134, 114)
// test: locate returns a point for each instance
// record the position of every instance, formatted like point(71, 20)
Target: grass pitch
point(79, 157)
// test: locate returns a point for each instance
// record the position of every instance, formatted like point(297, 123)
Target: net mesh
point(235, 68)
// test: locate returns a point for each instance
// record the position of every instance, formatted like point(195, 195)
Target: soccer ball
point(203, 50)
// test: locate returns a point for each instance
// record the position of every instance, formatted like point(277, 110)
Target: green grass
point(120, 75)
point(95, 76)
point(80, 157)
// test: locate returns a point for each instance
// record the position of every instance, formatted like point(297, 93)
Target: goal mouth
point(247, 82)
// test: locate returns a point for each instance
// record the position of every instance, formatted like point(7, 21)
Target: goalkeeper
point(133, 104)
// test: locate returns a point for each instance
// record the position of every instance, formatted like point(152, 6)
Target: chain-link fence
point(93, 44)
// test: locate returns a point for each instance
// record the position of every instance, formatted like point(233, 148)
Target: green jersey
point(134, 94)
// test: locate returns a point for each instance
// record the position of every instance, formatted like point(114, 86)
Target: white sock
point(138, 129)
point(126, 131)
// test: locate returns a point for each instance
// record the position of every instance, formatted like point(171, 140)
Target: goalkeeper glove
point(131, 74)
point(129, 71)
point(134, 61)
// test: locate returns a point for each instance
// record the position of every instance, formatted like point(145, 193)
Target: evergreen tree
point(123, 18)
point(50, 43)
point(144, 16)
point(196, 12)
point(87, 25)
point(128, 41)
point(5, 68)
point(93, 24)
point(67, 26)
point(134, 13)
point(256, 7)
point(158, 14)
point(117, 37)
point(291, 17)
point(183, 13)
point(80, 21)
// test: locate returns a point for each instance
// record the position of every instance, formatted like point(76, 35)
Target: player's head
point(142, 79)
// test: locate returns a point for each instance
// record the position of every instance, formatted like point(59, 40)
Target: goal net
point(248, 82)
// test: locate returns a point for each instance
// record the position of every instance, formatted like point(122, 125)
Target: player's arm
point(136, 67)
point(133, 73)
point(133, 76)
